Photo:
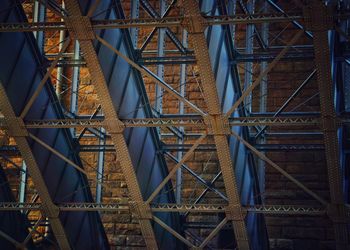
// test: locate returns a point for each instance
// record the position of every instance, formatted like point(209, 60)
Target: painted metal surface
point(221, 53)
point(21, 69)
point(127, 90)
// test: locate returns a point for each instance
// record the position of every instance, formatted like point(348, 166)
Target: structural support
point(100, 169)
point(248, 67)
point(76, 21)
point(319, 24)
point(158, 102)
point(180, 140)
point(216, 120)
point(19, 132)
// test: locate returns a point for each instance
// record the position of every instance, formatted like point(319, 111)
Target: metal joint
point(194, 23)
point(114, 126)
point(16, 127)
point(50, 210)
point(80, 27)
point(141, 210)
point(217, 125)
point(235, 212)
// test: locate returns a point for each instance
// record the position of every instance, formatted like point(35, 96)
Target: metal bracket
point(235, 213)
point(217, 125)
point(141, 210)
point(80, 27)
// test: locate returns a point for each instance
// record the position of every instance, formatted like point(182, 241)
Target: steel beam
point(20, 134)
point(196, 121)
point(176, 208)
point(77, 21)
point(215, 119)
point(319, 24)
point(165, 22)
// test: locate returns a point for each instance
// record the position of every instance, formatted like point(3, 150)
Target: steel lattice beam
point(161, 22)
point(176, 122)
point(193, 208)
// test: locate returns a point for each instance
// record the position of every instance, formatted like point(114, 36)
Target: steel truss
point(214, 123)
point(159, 22)
point(193, 208)
point(176, 122)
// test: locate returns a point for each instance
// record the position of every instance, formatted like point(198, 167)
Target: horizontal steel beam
point(199, 208)
point(260, 147)
point(239, 58)
point(160, 22)
point(183, 122)
point(13, 150)
point(149, 22)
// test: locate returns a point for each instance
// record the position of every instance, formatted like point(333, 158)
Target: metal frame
point(214, 124)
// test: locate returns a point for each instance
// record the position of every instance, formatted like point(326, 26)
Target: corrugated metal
point(20, 72)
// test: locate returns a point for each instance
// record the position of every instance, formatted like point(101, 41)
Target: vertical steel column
point(75, 85)
point(75, 80)
point(319, 23)
point(135, 7)
point(248, 73)
point(59, 77)
point(158, 103)
point(181, 112)
point(215, 120)
point(23, 183)
point(263, 100)
point(232, 4)
point(39, 12)
point(100, 167)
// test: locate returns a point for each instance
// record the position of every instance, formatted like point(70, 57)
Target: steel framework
point(224, 124)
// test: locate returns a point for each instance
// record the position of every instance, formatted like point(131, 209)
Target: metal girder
point(193, 208)
point(159, 22)
point(260, 147)
point(178, 122)
point(215, 120)
point(19, 132)
point(115, 128)
point(319, 23)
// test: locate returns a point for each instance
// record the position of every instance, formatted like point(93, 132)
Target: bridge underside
point(174, 124)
